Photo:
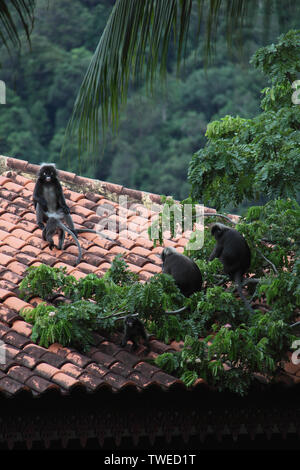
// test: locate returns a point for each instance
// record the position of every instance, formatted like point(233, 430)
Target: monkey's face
point(47, 174)
point(130, 322)
point(217, 230)
point(166, 252)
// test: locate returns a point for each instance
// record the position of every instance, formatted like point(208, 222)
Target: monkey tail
point(240, 291)
point(174, 312)
point(63, 227)
point(83, 230)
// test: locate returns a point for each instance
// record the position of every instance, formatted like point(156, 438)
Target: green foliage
point(280, 61)
point(68, 324)
point(228, 358)
point(93, 299)
point(234, 345)
point(152, 298)
point(90, 287)
point(43, 281)
point(275, 229)
point(252, 158)
point(226, 127)
point(142, 47)
point(156, 136)
point(168, 361)
point(282, 292)
point(119, 273)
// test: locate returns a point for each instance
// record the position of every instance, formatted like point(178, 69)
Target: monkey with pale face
point(49, 199)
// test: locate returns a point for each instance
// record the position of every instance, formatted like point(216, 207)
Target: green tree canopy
point(135, 45)
point(249, 158)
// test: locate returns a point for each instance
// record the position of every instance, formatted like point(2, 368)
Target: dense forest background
point(157, 136)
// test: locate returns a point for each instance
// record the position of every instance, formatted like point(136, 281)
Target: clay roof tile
point(65, 381)
point(63, 369)
point(10, 386)
point(40, 385)
point(91, 381)
point(72, 370)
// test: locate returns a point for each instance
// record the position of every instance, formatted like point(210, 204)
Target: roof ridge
point(82, 183)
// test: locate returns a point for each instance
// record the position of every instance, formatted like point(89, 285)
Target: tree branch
point(250, 280)
point(268, 261)
point(211, 214)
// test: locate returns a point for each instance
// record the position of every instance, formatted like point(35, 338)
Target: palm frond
point(12, 12)
point(135, 45)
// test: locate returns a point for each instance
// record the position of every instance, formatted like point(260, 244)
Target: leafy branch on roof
point(254, 159)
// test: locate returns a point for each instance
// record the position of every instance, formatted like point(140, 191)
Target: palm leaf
point(13, 13)
point(134, 45)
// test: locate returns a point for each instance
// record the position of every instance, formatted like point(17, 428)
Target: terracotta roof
point(35, 369)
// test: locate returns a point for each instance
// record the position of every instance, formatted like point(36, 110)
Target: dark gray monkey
point(234, 253)
point(184, 270)
point(48, 197)
point(133, 331)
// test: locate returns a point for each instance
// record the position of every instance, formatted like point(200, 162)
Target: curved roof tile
point(31, 368)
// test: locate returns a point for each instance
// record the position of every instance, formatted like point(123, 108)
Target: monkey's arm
point(166, 268)
point(61, 198)
point(216, 253)
point(124, 340)
point(40, 216)
point(38, 197)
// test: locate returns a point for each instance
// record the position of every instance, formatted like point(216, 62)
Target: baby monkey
point(133, 331)
point(53, 226)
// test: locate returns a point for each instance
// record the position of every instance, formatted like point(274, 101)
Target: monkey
point(49, 201)
point(48, 197)
point(133, 330)
point(234, 253)
point(184, 270)
point(54, 225)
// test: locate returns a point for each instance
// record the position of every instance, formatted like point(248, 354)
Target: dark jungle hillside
point(156, 137)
